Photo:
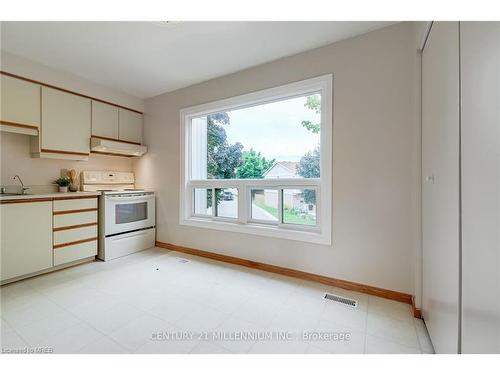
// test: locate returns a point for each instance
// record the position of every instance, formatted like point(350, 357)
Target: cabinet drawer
point(74, 252)
point(74, 204)
point(72, 235)
point(76, 218)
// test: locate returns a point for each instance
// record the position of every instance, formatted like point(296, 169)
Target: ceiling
point(149, 58)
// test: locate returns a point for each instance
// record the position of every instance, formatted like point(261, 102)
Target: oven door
point(129, 212)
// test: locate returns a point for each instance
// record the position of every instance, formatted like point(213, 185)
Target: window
point(265, 205)
point(227, 203)
point(202, 202)
point(261, 163)
point(299, 206)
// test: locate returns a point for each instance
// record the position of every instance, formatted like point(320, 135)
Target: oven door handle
point(129, 199)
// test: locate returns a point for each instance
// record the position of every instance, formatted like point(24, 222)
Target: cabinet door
point(20, 102)
point(104, 120)
point(66, 122)
point(26, 238)
point(130, 126)
point(440, 188)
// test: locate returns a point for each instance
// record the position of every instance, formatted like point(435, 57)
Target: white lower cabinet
point(76, 252)
point(26, 238)
point(37, 236)
point(75, 229)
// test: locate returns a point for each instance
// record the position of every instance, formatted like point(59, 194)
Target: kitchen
point(314, 194)
point(37, 138)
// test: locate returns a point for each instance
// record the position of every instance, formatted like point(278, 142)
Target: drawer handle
point(74, 211)
point(75, 242)
point(74, 226)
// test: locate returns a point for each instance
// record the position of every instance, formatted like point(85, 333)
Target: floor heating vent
point(342, 300)
point(183, 260)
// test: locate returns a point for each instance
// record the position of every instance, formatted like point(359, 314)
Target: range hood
point(109, 147)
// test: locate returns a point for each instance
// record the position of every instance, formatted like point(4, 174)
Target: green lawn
point(290, 216)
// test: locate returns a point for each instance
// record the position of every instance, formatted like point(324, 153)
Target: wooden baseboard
point(417, 313)
point(349, 285)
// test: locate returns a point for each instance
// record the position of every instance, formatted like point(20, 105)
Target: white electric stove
point(126, 215)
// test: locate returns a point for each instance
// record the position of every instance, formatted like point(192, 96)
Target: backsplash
point(32, 189)
point(40, 174)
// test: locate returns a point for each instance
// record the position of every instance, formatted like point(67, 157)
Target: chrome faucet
point(23, 189)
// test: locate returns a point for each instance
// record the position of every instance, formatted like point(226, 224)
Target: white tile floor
point(116, 307)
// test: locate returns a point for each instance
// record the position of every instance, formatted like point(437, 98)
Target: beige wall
point(374, 147)
point(15, 149)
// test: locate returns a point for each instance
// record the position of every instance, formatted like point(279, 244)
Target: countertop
point(48, 196)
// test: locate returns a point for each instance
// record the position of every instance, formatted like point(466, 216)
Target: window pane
point(299, 206)
point(227, 202)
point(203, 201)
point(265, 204)
point(272, 140)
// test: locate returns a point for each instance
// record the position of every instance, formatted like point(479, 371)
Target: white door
point(130, 126)
point(104, 120)
point(440, 190)
point(20, 102)
point(480, 66)
point(66, 122)
point(26, 238)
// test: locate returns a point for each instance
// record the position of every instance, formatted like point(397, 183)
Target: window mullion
point(214, 204)
point(242, 203)
point(280, 206)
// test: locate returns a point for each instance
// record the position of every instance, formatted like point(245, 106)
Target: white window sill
point(259, 230)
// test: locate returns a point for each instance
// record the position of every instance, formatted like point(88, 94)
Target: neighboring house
point(282, 169)
point(292, 198)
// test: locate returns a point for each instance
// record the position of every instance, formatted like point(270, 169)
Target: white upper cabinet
point(66, 123)
point(61, 121)
point(104, 120)
point(130, 126)
point(20, 105)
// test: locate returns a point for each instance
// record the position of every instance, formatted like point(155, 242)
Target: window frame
point(321, 233)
